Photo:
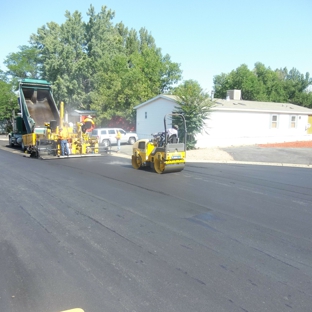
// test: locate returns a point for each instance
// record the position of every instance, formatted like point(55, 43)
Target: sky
point(207, 38)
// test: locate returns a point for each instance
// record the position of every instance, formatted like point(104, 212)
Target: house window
point(145, 115)
point(293, 121)
point(274, 121)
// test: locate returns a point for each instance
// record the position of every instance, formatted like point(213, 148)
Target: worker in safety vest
point(87, 124)
point(118, 137)
point(63, 135)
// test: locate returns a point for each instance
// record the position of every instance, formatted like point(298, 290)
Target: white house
point(233, 122)
point(150, 115)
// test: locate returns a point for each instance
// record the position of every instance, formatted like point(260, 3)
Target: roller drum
point(162, 167)
point(174, 168)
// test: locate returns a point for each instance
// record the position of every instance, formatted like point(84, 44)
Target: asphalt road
point(94, 233)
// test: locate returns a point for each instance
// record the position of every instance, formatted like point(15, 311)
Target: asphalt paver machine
point(42, 122)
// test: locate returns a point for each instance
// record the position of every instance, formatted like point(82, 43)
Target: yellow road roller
point(164, 153)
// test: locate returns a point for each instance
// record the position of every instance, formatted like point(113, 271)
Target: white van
point(107, 136)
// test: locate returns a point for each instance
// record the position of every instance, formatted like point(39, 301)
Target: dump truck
point(162, 153)
point(42, 121)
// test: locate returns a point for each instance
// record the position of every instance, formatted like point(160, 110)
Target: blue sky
point(205, 37)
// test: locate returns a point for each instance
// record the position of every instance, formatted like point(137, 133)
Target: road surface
point(94, 233)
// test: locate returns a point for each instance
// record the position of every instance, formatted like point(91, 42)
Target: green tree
point(3, 76)
point(124, 83)
point(304, 99)
point(63, 58)
point(22, 64)
point(264, 84)
point(221, 85)
point(194, 105)
point(102, 66)
point(242, 79)
point(110, 93)
point(296, 83)
point(8, 101)
point(270, 83)
point(132, 75)
point(170, 74)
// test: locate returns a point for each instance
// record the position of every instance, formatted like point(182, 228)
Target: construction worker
point(172, 135)
point(63, 139)
point(118, 137)
point(173, 130)
point(87, 124)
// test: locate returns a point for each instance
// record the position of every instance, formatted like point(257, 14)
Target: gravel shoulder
point(208, 154)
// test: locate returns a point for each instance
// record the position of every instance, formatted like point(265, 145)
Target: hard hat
point(89, 116)
point(176, 127)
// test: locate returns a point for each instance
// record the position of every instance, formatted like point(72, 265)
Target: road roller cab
point(163, 153)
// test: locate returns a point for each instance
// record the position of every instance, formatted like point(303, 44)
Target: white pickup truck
point(107, 136)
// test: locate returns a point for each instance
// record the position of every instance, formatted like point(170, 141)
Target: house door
point(310, 122)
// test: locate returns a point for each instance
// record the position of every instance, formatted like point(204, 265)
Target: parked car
point(107, 136)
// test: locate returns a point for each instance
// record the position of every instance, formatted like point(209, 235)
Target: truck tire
point(10, 142)
point(106, 143)
point(131, 140)
point(23, 147)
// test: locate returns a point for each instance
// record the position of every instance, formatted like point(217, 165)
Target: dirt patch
point(210, 154)
point(297, 144)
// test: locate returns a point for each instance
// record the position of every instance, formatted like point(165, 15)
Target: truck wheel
point(106, 143)
point(10, 142)
point(23, 147)
point(131, 140)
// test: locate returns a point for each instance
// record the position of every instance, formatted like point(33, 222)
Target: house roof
point(254, 106)
point(243, 106)
point(160, 96)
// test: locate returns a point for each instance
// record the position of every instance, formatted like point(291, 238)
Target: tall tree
point(61, 50)
point(132, 75)
point(102, 66)
point(102, 38)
